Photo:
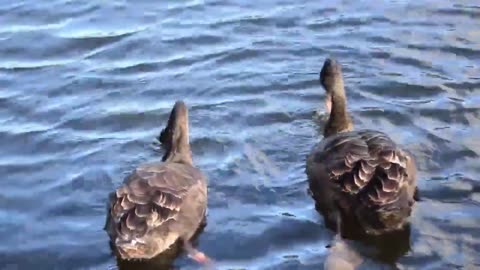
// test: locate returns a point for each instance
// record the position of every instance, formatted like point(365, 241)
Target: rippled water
point(87, 85)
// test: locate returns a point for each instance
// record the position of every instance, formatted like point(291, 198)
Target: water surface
point(87, 85)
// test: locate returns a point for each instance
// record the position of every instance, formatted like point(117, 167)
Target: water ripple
point(87, 86)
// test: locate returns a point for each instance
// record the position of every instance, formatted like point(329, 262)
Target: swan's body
point(362, 173)
point(160, 202)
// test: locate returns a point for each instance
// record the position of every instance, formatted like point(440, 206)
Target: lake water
point(85, 86)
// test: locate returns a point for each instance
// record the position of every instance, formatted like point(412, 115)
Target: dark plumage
point(363, 174)
point(161, 202)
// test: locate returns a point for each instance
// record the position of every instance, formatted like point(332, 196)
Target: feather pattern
point(367, 161)
point(366, 166)
point(151, 197)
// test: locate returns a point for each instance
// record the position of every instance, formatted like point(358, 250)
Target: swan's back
point(365, 174)
point(146, 212)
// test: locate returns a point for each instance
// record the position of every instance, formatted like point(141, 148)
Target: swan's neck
point(179, 152)
point(178, 149)
point(339, 120)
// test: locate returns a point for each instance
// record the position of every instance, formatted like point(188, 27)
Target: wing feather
point(152, 195)
point(365, 163)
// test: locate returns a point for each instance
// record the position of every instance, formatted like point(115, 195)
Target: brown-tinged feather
point(126, 204)
point(349, 185)
point(164, 213)
point(366, 167)
point(123, 190)
point(359, 181)
point(132, 221)
point(124, 230)
point(373, 163)
point(389, 185)
point(137, 199)
point(152, 219)
point(385, 196)
point(143, 210)
point(350, 160)
point(139, 188)
point(395, 172)
point(362, 178)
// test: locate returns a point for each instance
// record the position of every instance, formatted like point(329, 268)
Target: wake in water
point(342, 255)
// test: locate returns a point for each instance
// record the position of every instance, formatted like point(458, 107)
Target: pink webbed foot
point(197, 255)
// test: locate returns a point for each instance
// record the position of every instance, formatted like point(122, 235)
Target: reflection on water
point(164, 261)
point(342, 255)
point(86, 85)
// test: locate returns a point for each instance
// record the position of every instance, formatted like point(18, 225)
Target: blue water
point(85, 86)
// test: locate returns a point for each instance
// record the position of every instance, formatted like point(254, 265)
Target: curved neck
point(175, 136)
point(178, 149)
point(339, 120)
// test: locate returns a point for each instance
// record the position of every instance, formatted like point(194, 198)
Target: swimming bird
point(160, 203)
point(363, 173)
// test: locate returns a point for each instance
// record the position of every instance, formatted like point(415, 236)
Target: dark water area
point(85, 86)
